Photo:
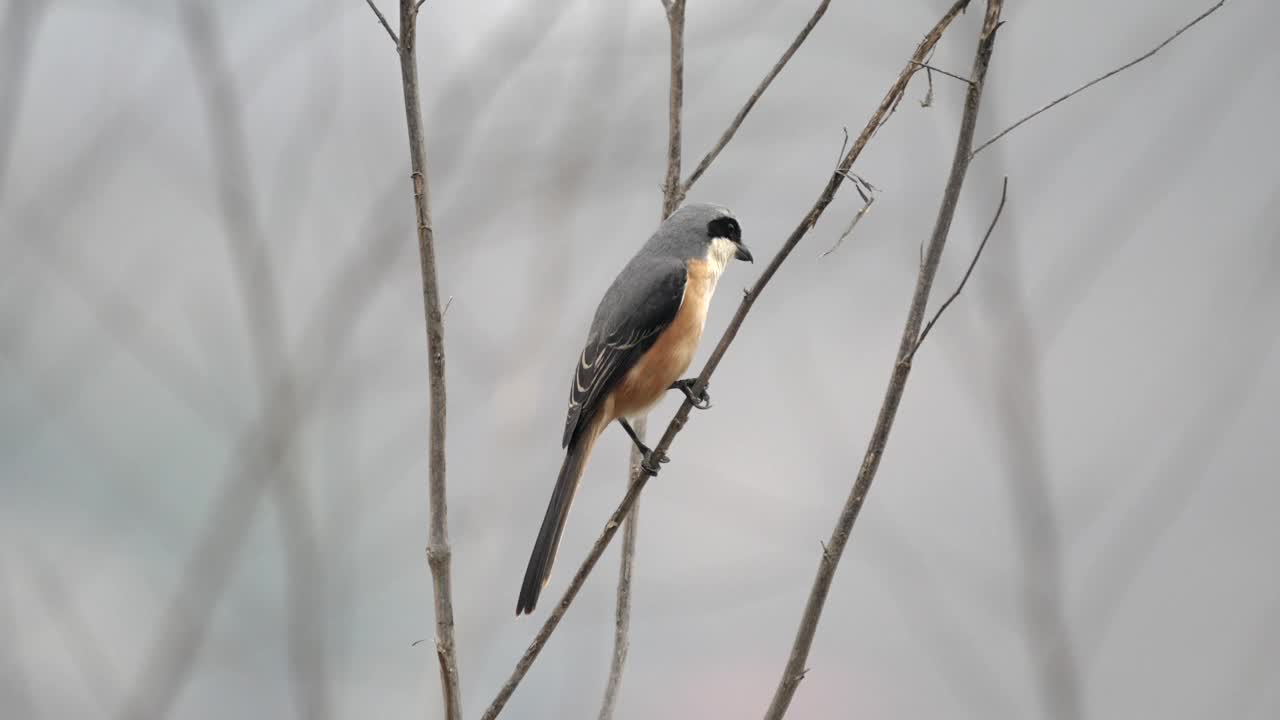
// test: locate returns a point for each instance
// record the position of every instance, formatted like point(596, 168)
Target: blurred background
point(213, 365)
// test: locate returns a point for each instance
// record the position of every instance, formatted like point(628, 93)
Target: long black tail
point(544, 549)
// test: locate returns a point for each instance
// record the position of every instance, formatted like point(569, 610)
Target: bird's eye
point(725, 227)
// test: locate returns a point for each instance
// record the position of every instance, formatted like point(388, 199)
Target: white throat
point(719, 253)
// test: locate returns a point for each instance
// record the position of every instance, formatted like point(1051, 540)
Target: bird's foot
point(686, 386)
point(653, 461)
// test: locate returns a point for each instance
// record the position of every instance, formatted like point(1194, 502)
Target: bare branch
point(795, 668)
point(438, 551)
point(1004, 191)
point(638, 481)
point(1104, 76)
point(868, 197)
point(730, 131)
point(385, 25)
point(671, 193)
point(866, 207)
point(671, 196)
point(622, 612)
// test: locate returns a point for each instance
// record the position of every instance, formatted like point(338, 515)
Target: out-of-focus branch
point(795, 670)
point(82, 647)
point(438, 551)
point(15, 681)
point(677, 423)
point(1104, 76)
point(263, 313)
point(20, 24)
point(736, 123)
point(264, 317)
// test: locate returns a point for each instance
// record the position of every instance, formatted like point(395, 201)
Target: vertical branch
point(671, 186)
point(622, 612)
point(795, 670)
point(438, 552)
point(671, 196)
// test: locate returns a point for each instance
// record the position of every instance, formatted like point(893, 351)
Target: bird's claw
point(653, 461)
point(685, 386)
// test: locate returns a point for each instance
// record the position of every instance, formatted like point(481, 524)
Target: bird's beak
point(744, 254)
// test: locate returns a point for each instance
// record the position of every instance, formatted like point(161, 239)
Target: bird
point(642, 339)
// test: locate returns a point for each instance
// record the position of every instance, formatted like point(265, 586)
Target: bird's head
point(705, 230)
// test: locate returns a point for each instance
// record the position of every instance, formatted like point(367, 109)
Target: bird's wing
point(641, 303)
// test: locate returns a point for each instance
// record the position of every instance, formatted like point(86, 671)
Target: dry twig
point(1104, 76)
point(795, 669)
point(1004, 192)
point(677, 423)
point(622, 610)
point(438, 551)
point(671, 192)
point(385, 25)
point(730, 131)
point(866, 191)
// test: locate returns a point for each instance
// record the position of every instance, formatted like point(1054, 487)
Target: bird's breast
point(648, 380)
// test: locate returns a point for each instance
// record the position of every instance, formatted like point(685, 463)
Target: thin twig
point(730, 131)
point(939, 70)
point(866, 206)
point(1004, 191)
point(1102, 77)
point(868, 197)
point(830, 558)
point(835, 179)
point(438, 551)
point(385, 25)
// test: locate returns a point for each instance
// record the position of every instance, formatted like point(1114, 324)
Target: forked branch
point(964, 280)
point(795, 670)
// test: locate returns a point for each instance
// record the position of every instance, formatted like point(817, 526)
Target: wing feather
point(641, 303)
